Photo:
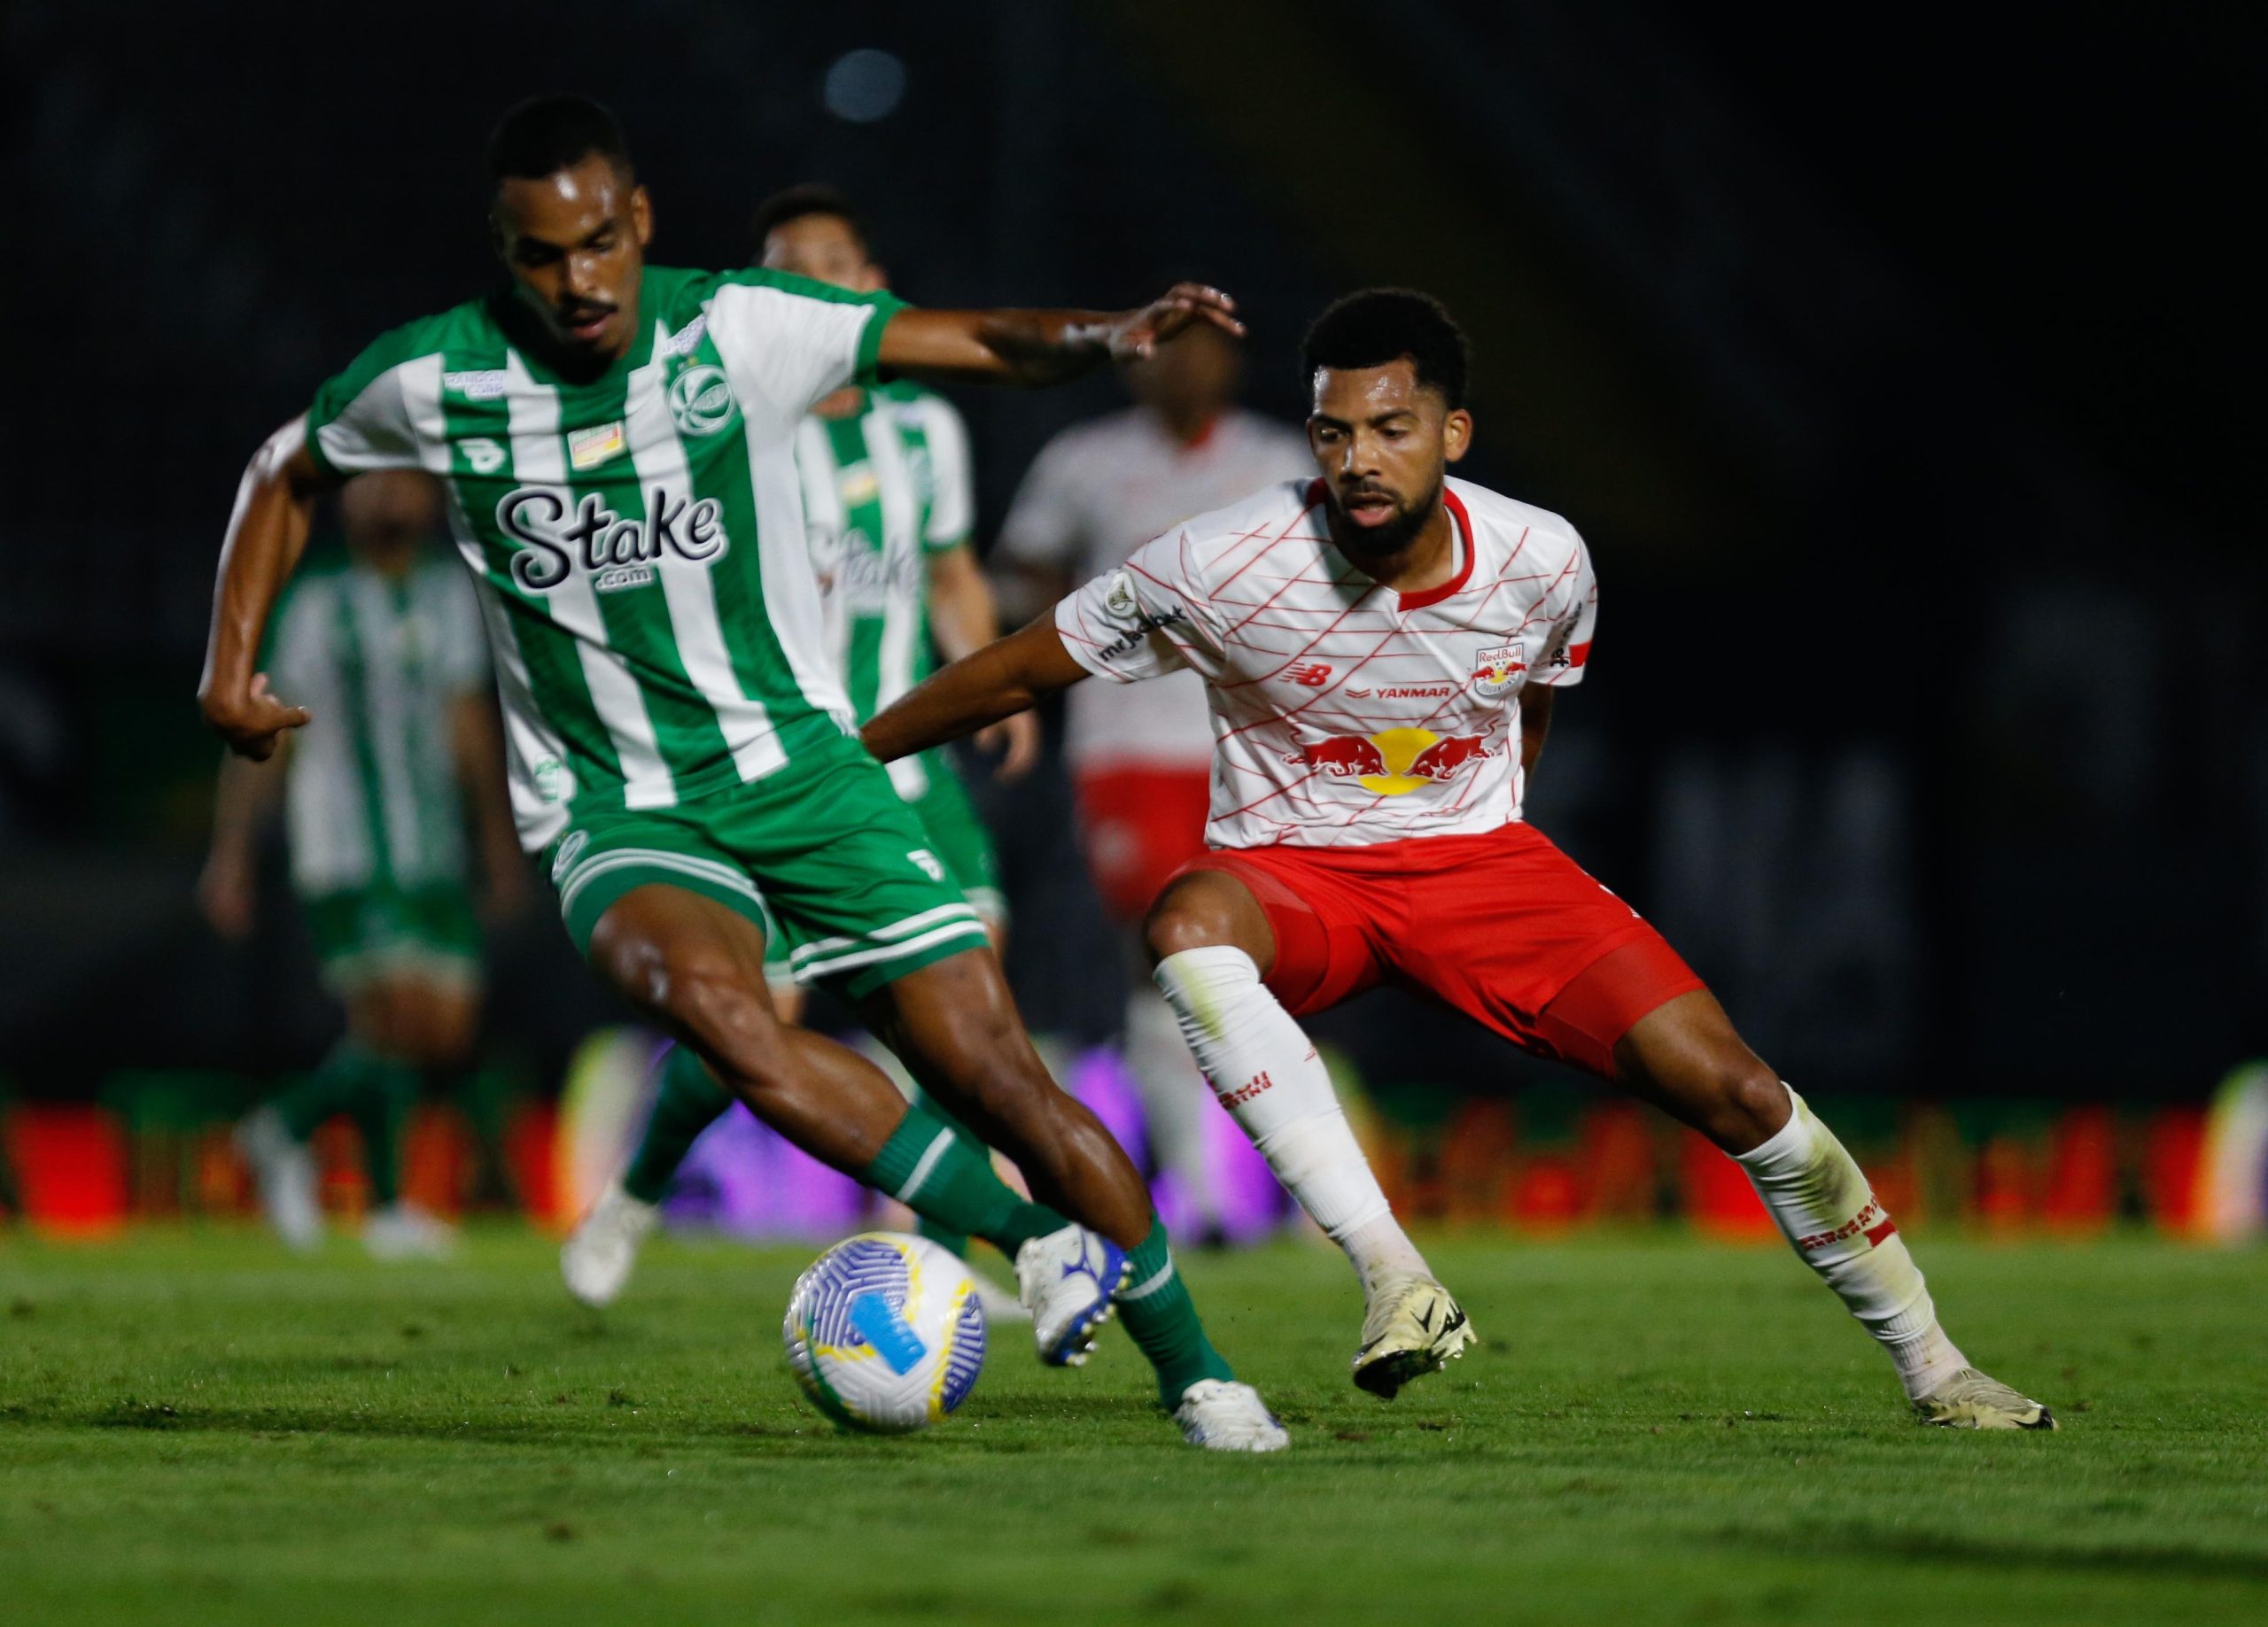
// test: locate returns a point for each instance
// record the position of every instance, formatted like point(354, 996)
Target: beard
point(1379, 541)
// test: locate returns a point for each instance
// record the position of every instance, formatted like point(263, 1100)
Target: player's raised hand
point(254, 721)
point(1138, 333)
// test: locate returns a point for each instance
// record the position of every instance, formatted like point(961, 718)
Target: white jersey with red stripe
point(1344, 713)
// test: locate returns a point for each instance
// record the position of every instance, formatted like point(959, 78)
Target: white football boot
point(596, 1258)
point(1413, 1327)
point(1067, 1280)
point(1221, 1415)
point(284, 1171)
point(402, 1231)
point(1972, 1400)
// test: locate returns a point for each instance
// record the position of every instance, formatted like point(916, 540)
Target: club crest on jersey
point(570, 849)
point(614, 552)
point(701, 399)
point(1495, 671)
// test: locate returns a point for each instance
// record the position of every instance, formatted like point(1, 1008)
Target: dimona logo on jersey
point(614, 552)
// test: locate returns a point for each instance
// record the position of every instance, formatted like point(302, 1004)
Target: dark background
point(1898, 365)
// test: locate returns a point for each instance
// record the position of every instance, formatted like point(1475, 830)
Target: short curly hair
point(1379, 325)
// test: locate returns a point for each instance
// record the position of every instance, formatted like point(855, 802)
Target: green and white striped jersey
point(884, 488)
point(371, 795)
point(637, 538)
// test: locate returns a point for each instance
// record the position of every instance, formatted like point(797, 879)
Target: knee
point(1744, 1100)
point(972, 1041)
point(450, 1036)
point(726, 1013)
point(987, 1054)
point(440, 1025)
point(1186, 915)
point(376, 1019)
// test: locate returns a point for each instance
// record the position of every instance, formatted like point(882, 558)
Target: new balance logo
point(1314, 675)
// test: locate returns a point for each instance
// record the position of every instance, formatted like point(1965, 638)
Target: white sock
point(1265, 1071)
point(1824, 1206)
point(1173, 1098)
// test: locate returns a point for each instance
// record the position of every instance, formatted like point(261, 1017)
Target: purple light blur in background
point(744, 1180)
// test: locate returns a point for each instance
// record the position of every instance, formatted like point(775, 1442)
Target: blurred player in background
point(1382, 647)
point(889, 503)
point(387, 795)
point(618, 440)
point(1141, 757)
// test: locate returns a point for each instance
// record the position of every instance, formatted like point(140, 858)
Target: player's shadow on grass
point(1871, 1543)
point(568, 1420)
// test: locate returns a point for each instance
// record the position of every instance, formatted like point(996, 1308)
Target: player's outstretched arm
point(267, 533)
point(998, 681)
point(1044, 347)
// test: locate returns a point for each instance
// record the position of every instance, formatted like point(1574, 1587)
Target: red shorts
point(1140, 825)
point(1501, 927)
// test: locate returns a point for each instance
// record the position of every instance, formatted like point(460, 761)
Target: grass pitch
point(194, 1429)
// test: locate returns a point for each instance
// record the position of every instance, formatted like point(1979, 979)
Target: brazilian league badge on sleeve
point(1496, 670)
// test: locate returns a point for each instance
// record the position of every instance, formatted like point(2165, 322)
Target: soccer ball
point(885, 1333)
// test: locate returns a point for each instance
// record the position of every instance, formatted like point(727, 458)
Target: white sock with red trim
point(1264, 1069)
point(1825, 1207)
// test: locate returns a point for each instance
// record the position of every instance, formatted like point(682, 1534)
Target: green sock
point(1162, 1319)
point(325, 1093)
point(951, 1239)
point(689, 1101)
point(950, 1181)
point(382, 1100)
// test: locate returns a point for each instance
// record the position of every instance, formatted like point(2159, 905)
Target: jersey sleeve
point(1144, 619)
point(1569, 649)
point(462, 659)
point(952, 483)
point(1045, 526)
point(797, 340)
point(360, 420)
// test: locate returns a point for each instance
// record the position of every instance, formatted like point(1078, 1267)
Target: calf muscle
point(1686, 1059)
point(955, 1025)
point(697, 968)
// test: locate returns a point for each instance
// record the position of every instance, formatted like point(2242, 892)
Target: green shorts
point(958, 837)
point(822, 856)
point(365, 933)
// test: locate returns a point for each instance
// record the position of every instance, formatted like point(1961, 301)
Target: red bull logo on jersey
point(1496, 670)
point(1394, 762)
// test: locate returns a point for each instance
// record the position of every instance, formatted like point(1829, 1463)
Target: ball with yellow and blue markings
point(885, 1333)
